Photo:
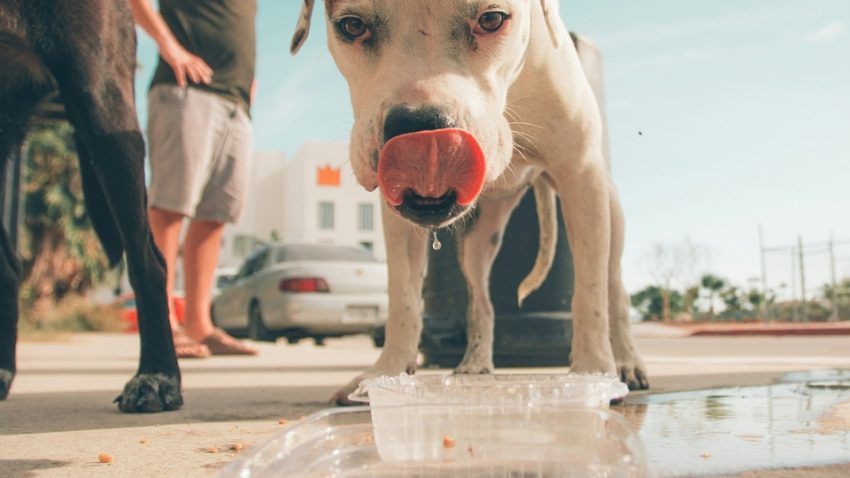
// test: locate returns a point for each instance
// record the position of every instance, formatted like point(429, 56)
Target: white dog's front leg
point(406, 256)
point(478, 248)
point(629, 364)
point(586, 210)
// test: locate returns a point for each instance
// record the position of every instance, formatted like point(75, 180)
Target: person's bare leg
point(200, 256)
point(165, 227)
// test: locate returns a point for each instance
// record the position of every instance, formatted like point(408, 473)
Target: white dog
point(463, 104)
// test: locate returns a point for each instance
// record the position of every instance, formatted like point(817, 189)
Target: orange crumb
point(104, 458)
point(448, 442)
point(282, 421)
point(212, 449)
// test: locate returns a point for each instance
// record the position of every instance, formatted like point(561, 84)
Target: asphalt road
point(59, 417)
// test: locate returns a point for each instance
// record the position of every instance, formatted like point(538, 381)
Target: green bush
point(71, 314)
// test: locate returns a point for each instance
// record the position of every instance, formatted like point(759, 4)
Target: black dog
point(87, 49)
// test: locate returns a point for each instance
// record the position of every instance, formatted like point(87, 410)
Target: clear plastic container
point(411, 414)
point(571, 389)
point(547, 441)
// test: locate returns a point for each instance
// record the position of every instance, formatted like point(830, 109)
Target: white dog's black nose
point(407, 119)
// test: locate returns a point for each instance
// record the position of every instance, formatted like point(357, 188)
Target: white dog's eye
point(492, 21)
point(352, 27)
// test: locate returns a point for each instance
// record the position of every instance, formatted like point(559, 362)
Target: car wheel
point(256, 327)
point(240, 333)
point(378, 337)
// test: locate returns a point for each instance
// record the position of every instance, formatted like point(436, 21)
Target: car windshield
point(311, 252)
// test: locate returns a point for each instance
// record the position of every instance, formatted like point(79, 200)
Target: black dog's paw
point(6, 377)
point(151, 393)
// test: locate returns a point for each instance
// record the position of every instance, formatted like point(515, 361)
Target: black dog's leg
point(115, 173)
point(93, 61)
point(9, 277)
point(23, 82)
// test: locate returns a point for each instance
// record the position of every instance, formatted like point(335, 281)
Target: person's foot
point(186, 347)
point(220, 343)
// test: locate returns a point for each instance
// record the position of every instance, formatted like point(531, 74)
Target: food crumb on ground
point(212, 449)
point(104, 458)
point(143, 441)
point(282, 421)
point(706, 455)
point(236, 446)
point(448, 442)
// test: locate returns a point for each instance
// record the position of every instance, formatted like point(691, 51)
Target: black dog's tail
point(100, 214)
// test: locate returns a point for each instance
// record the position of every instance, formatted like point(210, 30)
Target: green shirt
point(222, 33)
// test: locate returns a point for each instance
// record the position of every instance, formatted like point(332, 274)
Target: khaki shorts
point(199, 147)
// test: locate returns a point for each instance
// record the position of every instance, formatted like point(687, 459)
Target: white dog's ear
point(303, 26)
point(553, 21)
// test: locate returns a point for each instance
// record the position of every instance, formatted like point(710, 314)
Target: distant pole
point(795, 310)
point(764, 305)
point(834, 316)
point(802, 278)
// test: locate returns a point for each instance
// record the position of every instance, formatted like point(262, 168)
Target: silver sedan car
point(301, 291)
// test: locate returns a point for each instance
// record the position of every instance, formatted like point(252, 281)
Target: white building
point(325, 204)
point(312, 198)
point(263, 212)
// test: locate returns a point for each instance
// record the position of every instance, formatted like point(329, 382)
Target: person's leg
point(181, 134)
point(165, 227)
point(200, 256)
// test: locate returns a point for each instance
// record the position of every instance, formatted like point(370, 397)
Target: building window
point(326, 215)
point(365, 215)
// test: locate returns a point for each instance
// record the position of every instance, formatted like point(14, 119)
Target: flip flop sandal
point(220, 343)
point(185, 347)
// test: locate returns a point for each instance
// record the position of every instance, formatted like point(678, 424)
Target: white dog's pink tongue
point(431, 164)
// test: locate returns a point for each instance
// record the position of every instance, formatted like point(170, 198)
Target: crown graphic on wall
point(327, 176)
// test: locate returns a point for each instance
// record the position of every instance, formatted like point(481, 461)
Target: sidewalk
point(759, 328)
point(60, 415)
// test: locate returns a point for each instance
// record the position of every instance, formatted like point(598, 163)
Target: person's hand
point(186, 65)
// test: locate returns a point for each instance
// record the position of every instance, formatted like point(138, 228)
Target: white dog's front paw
point(475, 365)
point(630, 367)
point(341, 396)
point(634, 375)
point(590, 362)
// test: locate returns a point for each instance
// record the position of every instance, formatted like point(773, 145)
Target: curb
point(771, 329)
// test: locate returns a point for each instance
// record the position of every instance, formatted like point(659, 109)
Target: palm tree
point(59, 250)
point(714, 285)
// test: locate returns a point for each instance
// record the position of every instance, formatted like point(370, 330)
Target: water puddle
point(803, 421)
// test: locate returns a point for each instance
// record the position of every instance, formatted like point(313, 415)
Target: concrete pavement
point(60, 416)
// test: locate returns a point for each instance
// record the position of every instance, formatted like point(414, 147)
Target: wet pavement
point(802, 421)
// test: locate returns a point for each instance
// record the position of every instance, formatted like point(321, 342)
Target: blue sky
point(743, 106)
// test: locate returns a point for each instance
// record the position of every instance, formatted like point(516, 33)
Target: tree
point(60, 252)
point(731, 297)
point(756, 299)
point(841, 294)
point(650, 302)
point(672, 265)
point(714, 285)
